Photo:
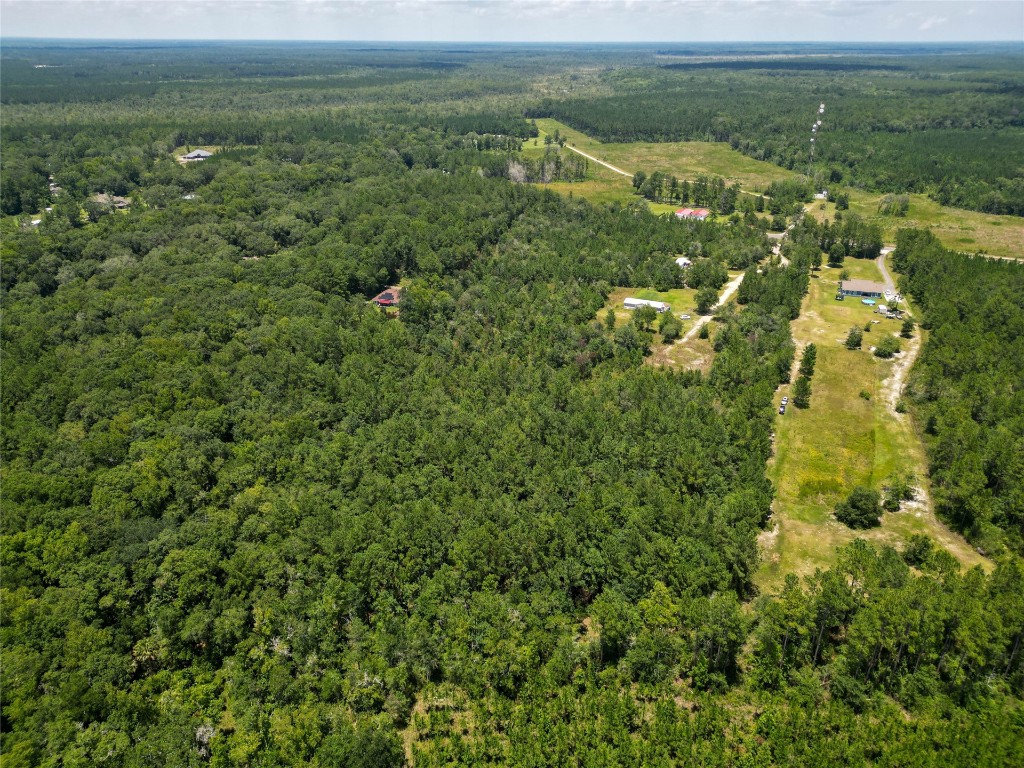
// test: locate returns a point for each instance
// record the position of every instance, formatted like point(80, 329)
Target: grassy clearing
point(684, 159)
point(698, 353)
point(841, 441)
point(597, 191)
point(956, 228)
point(681, 300)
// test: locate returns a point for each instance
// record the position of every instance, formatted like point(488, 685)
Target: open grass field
point(841, 441)
point(956, 228)
point(682, 301)
point(684, 159)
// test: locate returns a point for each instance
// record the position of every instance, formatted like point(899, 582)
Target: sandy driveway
point(730, 288)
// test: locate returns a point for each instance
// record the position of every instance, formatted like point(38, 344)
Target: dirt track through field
point(599, 162)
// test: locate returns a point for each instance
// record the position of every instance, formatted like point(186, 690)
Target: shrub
point(907, 331)
point(918, 550)
point(865, 394)
point(705, 331)
point(861, 508)
point(854, 338)
point(887, 347)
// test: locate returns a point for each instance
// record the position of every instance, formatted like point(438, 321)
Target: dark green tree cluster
point(802, 387)
point(705, 190)
point(966, 385)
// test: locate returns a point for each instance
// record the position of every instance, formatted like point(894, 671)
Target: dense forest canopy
point(968, 385)
point(252, 519)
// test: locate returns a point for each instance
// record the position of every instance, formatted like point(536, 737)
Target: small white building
point(683, 262)
point(659, 306)
point(198, 154)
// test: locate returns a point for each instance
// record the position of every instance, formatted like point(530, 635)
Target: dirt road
point(599, 162)
point(730, 288)
point(880, 261)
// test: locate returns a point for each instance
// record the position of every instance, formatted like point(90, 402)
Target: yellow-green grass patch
point(683, 159)
point(843, 440)
point(956, 228)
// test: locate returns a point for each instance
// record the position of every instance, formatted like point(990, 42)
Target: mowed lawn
point(697, 353)
point(843, 440)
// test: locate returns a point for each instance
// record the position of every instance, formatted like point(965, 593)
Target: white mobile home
point(659, 306)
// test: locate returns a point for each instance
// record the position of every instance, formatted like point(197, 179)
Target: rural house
point(197, 154)
point(865, 288)
point(113, 201)
point(693, 213)
point(389, 297)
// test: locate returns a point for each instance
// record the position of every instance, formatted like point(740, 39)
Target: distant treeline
point(959, 138)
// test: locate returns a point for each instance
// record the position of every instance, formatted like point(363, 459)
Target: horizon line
point(502, 42)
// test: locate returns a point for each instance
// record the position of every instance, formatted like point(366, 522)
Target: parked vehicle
point(782, 409)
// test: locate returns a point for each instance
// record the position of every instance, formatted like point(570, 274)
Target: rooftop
point(862, 286)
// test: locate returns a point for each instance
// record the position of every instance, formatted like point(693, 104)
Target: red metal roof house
point(693, 213)
point(389, 297)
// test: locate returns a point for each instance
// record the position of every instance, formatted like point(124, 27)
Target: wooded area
point(948, 126)
point(250, 518)
point(967, 385)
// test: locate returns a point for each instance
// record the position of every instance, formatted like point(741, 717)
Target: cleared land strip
point(599, 161)
point(850, 436)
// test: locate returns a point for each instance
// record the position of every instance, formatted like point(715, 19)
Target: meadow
point(956, 228)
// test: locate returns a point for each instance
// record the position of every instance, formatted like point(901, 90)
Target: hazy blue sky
point(519, 20)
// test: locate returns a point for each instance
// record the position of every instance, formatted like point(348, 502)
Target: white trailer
point(659, 306)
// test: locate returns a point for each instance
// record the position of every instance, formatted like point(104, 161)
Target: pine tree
point(853, 340)
point(802, 392)
point(807, 361)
